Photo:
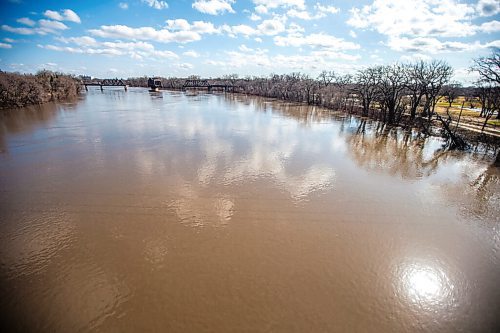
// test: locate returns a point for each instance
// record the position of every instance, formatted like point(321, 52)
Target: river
point(194, 212)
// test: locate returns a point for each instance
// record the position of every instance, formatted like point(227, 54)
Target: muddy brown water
point(173, 212)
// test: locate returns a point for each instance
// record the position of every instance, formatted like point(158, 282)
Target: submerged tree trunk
point(456, 141)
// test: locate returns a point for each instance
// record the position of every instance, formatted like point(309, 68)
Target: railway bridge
point(104, 83)
point(201, 83)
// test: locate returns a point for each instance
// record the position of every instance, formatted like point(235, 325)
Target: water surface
point(136, 211)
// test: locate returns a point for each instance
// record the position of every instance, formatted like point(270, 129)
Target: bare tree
point(435, 74)
point(415, 85)
point(488, 67)
point(451, 92)
point(490, 100)
point(366, 87)
point(230, 79)
point(326, 78)
point(391, 87)
point(489, 76)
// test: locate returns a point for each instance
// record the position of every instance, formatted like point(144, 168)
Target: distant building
point(85, 78)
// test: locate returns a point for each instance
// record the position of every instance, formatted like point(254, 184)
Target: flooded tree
point(391, 87)
point(488, 69)
point(414, 85)
point(366, 87)
point(17, 90)
point(434, 76)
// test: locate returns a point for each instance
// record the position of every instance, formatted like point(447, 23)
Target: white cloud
point(271, 27)
point(326, 9)
point(353, 34)
point(81, 41)
point(490, 27)
point(429, 45)
point(5, 46)
point(165, 54)
point(465, 75)
point(257, 57)
point(257, 60)
point(123, 5)
point(244, 48)
point(334, 55)
point(64, 15)
point(203, 27)
point(145, 33)
point(321, 12)
point(261, 9)
point(130, 46)
point(255, 17)
point(53, 15)
point(198, 27)
point(488, 7)
point(271, 4)
point(71, 16)
point(415, 57)
point(241, 29)
point(295, 29)
point(213, 7)
point(9, 40)
point(82, 50)
point(51, 26)
point(26, 21)
point(44, 26)
point(178, 24)
point(419, 18)
point(315, 40)
point(192, 54)
point(185, 65)
point(88, 45)
point(156, 4)
point(302, 14)
point(20, 31)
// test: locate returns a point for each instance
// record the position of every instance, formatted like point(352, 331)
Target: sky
point(210, 38)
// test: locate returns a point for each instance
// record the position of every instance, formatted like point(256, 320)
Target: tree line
point(18, 90)
point(391, 93)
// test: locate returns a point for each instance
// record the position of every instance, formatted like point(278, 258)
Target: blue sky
point(249, 37)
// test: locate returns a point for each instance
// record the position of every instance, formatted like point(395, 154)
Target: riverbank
point(19, 90)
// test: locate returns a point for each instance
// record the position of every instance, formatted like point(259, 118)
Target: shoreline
point(474, 139)
point(23, 90)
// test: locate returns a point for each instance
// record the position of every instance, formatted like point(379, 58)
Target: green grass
point(458, 102)
point(494, 122)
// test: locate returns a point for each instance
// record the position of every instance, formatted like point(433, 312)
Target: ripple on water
point(87, 294)
point(31, 240)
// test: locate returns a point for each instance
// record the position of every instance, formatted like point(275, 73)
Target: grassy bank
point(18, 90)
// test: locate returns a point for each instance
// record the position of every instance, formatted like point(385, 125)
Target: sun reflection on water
point(426, 286)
